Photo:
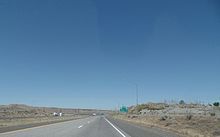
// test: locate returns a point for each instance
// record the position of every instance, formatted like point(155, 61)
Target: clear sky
point(91, 53)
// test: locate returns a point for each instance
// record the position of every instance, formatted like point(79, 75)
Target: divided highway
point(97, 126)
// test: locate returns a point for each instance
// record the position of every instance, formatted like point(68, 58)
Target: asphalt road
point(97, 126)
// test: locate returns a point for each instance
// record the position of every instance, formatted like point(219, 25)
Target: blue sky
point(91, 53)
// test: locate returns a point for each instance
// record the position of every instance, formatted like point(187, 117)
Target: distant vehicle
point(55, 114)
point(94, 114)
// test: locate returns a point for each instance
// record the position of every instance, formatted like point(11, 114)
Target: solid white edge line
point(114, 127)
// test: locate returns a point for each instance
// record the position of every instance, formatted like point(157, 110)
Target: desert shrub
point(212, 114)
point(189, 116)
point(141, 107)
point(131, 111)
point(168, 124)
point(216, 133)
point(163, 118)
point(134, 116)
point(216, 104)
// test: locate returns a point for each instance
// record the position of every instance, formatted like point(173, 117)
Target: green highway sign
point(124, 109)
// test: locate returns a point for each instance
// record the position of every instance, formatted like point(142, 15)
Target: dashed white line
point(115, 127)
point(80, 126)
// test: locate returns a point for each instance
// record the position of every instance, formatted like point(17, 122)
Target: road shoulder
point(129, 126)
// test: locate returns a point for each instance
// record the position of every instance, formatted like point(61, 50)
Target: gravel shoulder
point(196, 127)
point(22, 123)
point(141, 130)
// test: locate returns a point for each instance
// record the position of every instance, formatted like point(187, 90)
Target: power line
point(136, 94)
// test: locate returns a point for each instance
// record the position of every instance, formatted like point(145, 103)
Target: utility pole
point(136, 94)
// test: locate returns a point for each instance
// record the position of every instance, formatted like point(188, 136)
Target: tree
point(182, 102)
point(216, 104)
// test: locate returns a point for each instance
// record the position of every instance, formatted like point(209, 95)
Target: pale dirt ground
point(196, 127)
point(19, 114)
point(24, 121)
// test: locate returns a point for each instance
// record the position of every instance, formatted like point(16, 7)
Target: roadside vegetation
point(190, 120)
point(18, 114)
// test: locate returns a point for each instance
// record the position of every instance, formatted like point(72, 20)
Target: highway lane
point(97, 126)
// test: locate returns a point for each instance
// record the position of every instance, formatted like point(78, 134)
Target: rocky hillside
point(22, 111)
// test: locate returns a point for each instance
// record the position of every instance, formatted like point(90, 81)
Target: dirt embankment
point(189, 127)
point(191, 120)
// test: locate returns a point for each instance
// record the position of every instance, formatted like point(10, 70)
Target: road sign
point(124, 109)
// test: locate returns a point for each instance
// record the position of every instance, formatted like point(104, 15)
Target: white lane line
point(115, 127)
point(88, 122)
point(80, 126)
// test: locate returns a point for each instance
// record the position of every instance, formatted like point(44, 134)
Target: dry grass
point(149, 106)
point(195, 127)
point(18, 114)
point(25, 121)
